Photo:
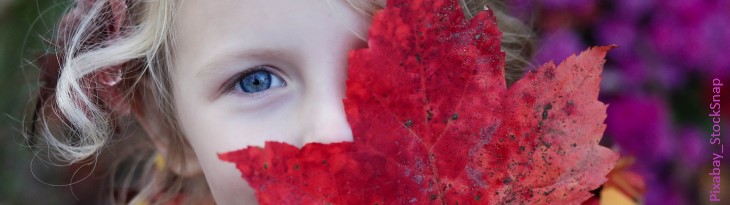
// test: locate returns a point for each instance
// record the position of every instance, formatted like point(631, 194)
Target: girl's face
point(250, 71)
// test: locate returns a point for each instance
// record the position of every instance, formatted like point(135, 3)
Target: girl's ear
point(177, 154)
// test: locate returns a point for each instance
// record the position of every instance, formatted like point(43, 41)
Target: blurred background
point(657, 84)
point(25, 26)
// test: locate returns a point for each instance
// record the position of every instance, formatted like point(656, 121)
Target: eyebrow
point(218, 61)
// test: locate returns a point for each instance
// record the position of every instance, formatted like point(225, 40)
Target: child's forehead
point(259, 15)
point(210, 31)
point(265, 10)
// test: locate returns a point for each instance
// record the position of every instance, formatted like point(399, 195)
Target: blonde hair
point(76, 124)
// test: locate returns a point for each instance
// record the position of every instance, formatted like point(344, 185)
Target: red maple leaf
point(434, 122)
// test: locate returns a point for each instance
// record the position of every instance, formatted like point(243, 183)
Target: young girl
point(205, 77)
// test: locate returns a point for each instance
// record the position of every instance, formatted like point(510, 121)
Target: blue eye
point(258, 81)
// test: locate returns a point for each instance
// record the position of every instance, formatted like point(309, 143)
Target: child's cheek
point(227, 185)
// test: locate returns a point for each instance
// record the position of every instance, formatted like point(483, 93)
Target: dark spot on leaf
point(409, 123)
point(549, 73)
point(545, 110)
point(546, 160)
point(455, 116)
point(570, 108)
point(507, 180)
point(266, 166)
point(548, 192)
point(574, 145)
point(429, 115)
point(418, 58)
point(296, 167)
point(478, 197)
point(433, 197)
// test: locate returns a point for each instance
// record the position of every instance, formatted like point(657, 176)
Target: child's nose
point(324, 119)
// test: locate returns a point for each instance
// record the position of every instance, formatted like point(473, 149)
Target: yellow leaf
point(613, 196)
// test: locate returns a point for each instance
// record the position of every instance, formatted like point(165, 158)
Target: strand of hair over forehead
point(90, 126)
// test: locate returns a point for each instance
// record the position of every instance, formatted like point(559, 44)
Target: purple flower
point(664, 193)
point(558, 46)
point(632, 10)
point(669, 75)
point(578, 6)
point(619, 32)
point(693, 34)
point(522, 9)
point(629, 74)
point(714, 45)
point(640, 127)
point(694, 148)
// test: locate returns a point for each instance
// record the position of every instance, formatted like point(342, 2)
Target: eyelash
point(232, 86)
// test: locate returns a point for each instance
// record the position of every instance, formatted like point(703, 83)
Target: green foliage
point(23, 26)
